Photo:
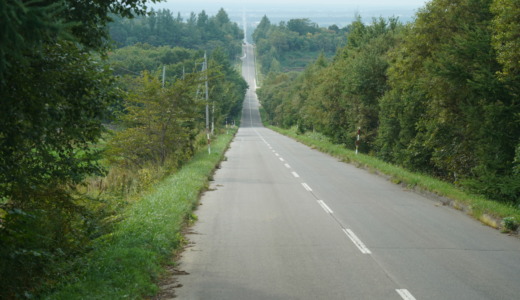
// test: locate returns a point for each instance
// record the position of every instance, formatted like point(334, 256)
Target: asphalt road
point(284, 221)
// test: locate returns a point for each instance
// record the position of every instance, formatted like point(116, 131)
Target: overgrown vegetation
point(127, 262)
point(438, 96)
point(78, 145)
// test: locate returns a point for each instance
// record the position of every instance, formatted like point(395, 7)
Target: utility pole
point(163, 75)
point(205, 67)
point(358, 139)
point(212, 117)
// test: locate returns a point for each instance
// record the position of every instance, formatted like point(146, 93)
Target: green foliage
point(337, 98)
point(439, 96)
point(284, 47)
point(27, 25)
point(159, 122)
point(510, 223)
point(127, 262)
point(53, 115)
point(162, 28)
point(132, 60)
point(461, 120)
point(56, 91)
point(160, 125)
point(302, 26)
point(24, 26)
point(505, 28)
point(227, 89)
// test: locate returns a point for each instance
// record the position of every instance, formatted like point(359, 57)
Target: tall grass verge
point(127, 262)
point(492, 213)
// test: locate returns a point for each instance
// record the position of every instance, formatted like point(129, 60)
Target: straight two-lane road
point(283, 221)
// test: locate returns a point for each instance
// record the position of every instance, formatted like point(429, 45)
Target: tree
point(506, 25)
point(161, 28)
point(55, 93)
point(453, 109)
point(222, 18)
point(160, 123)
point(261, 30)
point(302, 26)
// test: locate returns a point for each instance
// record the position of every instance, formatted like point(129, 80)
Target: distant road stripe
point(281, 159)
point(325, 207)
point(295, 174)
point(307, 187)
point(287, 166)
point(405, 294)
point(357, 241)
point(277, 154)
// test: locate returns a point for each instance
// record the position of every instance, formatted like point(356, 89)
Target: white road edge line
point(307, 187)
point(295, 175)
point(405, 294)
point(325, 207)
point(357, 241)
point(287, 166)
point(281, 159)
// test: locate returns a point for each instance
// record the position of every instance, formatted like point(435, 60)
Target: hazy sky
point(323, 12)
point(417, 3)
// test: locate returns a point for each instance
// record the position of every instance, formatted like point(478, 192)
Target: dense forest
point(85, 128)
point(293, 44)
point(162, 28)
point(438, 96)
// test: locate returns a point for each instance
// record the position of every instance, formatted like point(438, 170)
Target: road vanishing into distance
point(283, 221)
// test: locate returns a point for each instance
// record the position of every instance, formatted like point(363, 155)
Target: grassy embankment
point(498, 215)
point(128, 262)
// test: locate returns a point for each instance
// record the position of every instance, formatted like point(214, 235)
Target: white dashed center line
point(405, 294)
point(357, 241)
point(307, 187)
point(325, 207)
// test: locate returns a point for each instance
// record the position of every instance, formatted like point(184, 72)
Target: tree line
point(438, 96)
point(163, 28)
point(291, 45)
point(163, 116)
point(84, 127)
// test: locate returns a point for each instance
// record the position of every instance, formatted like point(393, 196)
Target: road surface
point(284, 221)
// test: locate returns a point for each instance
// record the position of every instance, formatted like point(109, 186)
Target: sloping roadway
point(283, 221)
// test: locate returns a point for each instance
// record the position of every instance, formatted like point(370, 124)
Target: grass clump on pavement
point(127, 262)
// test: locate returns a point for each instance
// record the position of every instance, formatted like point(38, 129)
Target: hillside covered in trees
point(163, 28)
point(292, 45)
point(438, 96)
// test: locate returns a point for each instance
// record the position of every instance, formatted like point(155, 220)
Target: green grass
point(128, 262)
point(490, 212)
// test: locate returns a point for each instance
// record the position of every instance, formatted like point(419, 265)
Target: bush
point(510, 223)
